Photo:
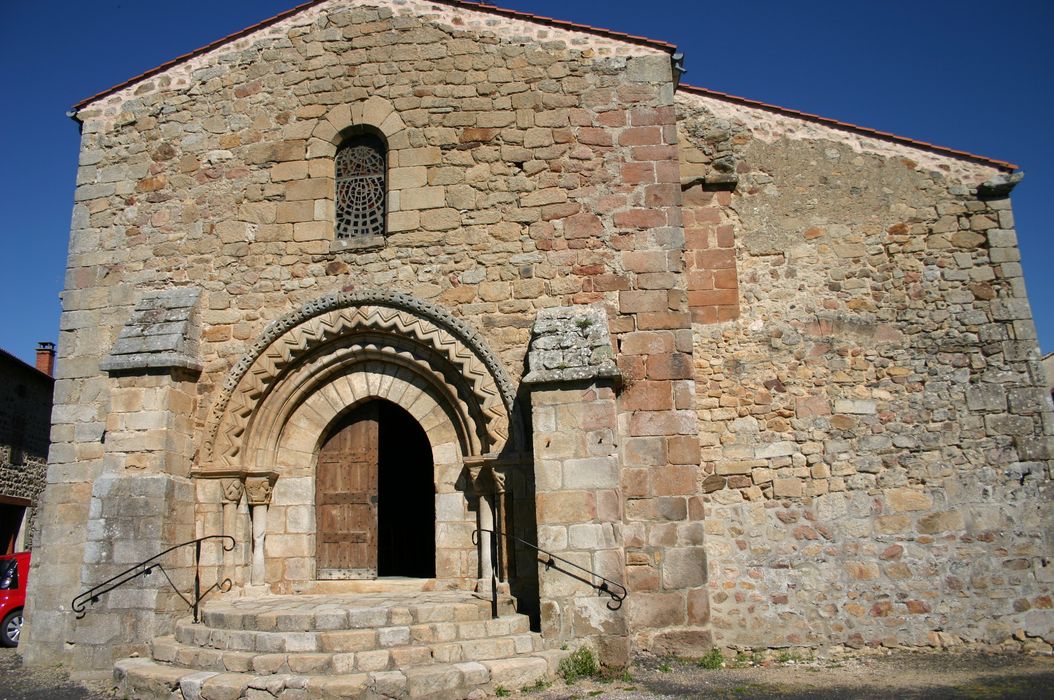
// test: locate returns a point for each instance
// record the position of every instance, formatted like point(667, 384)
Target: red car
point(14, 572)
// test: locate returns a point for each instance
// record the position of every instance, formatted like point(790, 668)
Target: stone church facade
point(384, 290)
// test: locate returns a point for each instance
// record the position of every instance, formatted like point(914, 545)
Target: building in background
point(25, 425)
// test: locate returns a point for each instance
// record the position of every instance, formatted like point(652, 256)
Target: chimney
point(46, 357)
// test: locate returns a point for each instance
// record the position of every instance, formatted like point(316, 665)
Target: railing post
point(143, 568)
point(197, 579)
point(494, 575)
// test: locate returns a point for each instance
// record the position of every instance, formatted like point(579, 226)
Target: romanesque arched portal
point(313, 374)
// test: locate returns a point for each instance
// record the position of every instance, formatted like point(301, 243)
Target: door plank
point(346, 498)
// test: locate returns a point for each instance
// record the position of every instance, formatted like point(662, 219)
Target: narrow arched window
point(361, 165)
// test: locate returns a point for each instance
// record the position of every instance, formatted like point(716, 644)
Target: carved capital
point(487, 476)
point(232, 489)
point(497, 480)
point(259, 488)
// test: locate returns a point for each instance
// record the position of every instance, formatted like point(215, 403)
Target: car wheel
point(11, 629)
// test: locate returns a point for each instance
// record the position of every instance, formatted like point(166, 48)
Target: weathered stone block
point(684, 567)
point(591, 472)
point(566, 506)
point(854, 406)
point(656, 610)
point(940, 522)
point(906, 500)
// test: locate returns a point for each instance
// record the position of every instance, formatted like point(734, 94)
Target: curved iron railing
point(145, 567)
point(605, 587)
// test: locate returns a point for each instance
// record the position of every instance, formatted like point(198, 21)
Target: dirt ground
point(896, 674)
point(17, 683)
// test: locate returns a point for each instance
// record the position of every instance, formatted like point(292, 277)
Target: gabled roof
point(585, 28)
point(463, 4)
point(8, 358)
point(846, 126)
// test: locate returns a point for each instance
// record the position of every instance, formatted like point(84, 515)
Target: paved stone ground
point(907, 675)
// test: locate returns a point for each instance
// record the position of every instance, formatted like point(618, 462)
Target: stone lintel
point(201, 472)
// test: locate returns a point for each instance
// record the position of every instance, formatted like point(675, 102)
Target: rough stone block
point(655, 610)
point(684, 567)
point(853, 406)
point(905, 500)
point(566, 507)
point(591, 472)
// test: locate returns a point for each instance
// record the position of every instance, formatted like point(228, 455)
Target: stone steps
point(319, 613)
point(435, 644)
point(347, 639)
point(147, 678)
point(357, 656)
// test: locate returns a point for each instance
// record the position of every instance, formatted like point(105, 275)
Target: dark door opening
point(10, 524)
point(375, 496)
point(406, 497)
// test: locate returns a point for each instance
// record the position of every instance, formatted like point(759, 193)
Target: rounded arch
point(295, 368)
point(300, 428)
point(374, 114)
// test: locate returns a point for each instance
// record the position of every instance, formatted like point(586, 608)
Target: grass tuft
point(580, 664)
point(538, 685)
point(713, 659)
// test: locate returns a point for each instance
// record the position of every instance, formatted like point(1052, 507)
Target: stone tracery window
point(361, 166)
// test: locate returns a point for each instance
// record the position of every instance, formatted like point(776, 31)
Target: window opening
point(361, 187)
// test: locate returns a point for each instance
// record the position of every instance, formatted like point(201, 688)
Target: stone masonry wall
point(579, 514)
point(533, 167)
point(577, 477)
point(855, 423)
point(708, 178)
point(875, 432)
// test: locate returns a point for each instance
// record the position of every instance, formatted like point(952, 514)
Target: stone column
point(258, 489)
point(232, 496)
point(489, 485)
point(486, 539)
point(498, 510)
point(577, 476)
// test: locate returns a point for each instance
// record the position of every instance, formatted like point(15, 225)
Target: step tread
point(320, 612)
point(152, 678)
point(340, 658)
point(204, 635)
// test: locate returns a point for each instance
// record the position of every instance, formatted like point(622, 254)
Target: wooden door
point(346, 498)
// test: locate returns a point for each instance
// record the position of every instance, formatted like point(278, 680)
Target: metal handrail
point(605, 587)
point(145, 567)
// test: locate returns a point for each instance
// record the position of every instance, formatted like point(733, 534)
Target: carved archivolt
point(293, 351)
point(291, 425)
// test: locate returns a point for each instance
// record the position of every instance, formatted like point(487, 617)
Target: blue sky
point(968, 74)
